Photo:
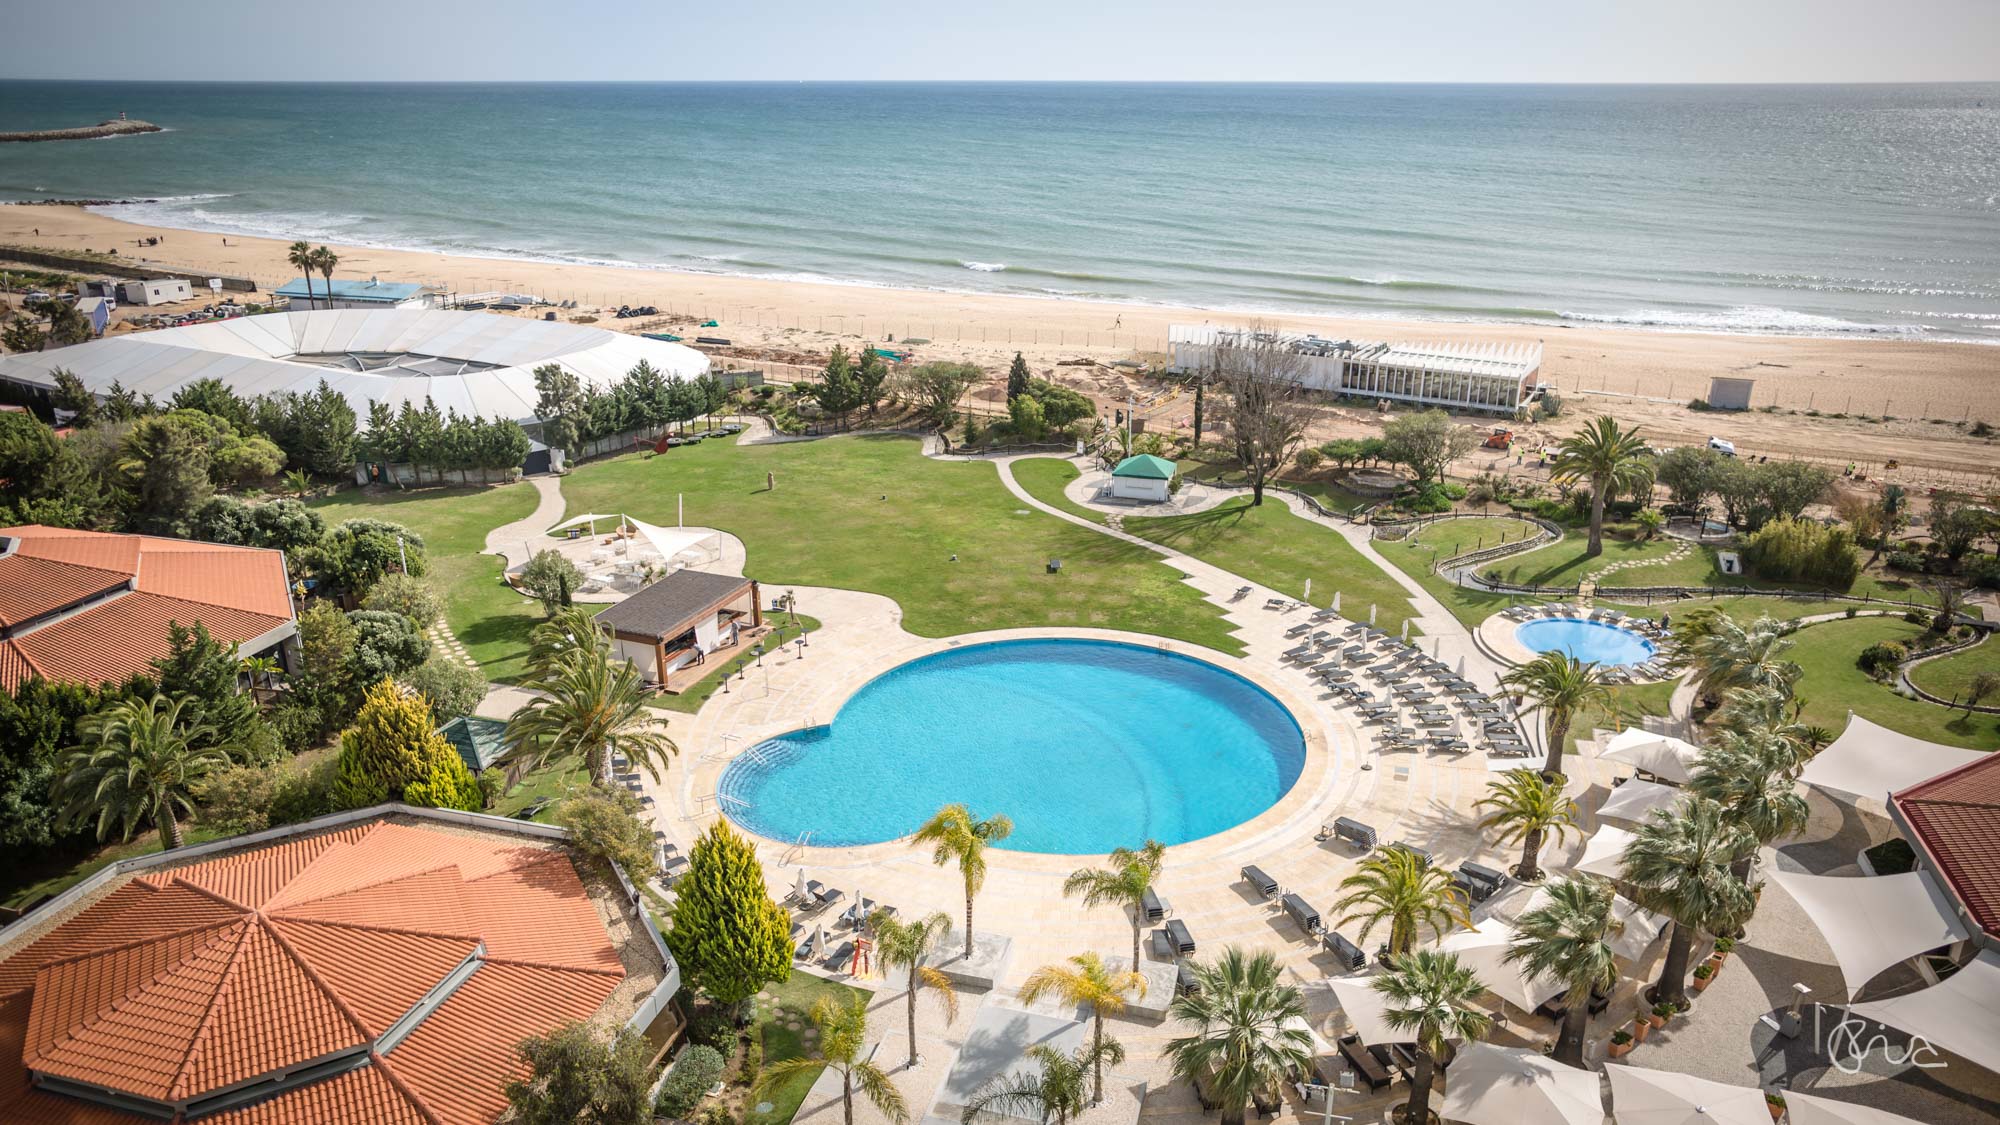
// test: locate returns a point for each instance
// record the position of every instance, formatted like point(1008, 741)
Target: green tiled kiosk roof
point(478, 741)
point(1145, 465)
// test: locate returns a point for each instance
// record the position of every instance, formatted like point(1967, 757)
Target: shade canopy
point(1961, 1015)
point(1658, 754)
point(1365, 1009)
point(670, 541)
point(1807, 1109)
point(1662, 1097)
point(1635, 800)
point(1513, 1086)
point(1638, 928)
point(1604, 853)
point(1871, 924)
point(590, 518)
point(1874, 761)
point(1484, 950)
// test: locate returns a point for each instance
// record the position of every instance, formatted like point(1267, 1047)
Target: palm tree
point(569, 630)
point(1753, 779)
point(1680, 865)
point(1429, 996)
point(1250, 1030)
point(1610, 459)
point(591, 707)
point(1124, 883)
point(299, 483)
point(843, 1035)
point(324, 260)
point(1765, 712)
point(1091, 984)
point(1568, 938)
point(1729, 656)
point(1561, 687)
point(138, 763)
point(260, 669)
point(956, 836)
point(1406, 891)
point(300, 255)
point(1527, 807)
point(1054, 1092)
point(906, 944)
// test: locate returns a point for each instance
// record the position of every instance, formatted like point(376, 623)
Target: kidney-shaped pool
point(1087, 745)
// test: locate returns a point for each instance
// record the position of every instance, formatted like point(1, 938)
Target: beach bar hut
point(1144, 478)
point(680, 619)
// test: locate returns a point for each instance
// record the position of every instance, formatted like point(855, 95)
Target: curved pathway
point(514, 542)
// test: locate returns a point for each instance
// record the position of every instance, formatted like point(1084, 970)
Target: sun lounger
point(1302, 912)
point(1185, 982)
point(1262, 883)
point(1485, 880)
point(1336, 675)
point(1180, 937)
point(1354, 832)
point(1155, 906)
point(832, 896)
point(1348, 954)
point(1365, 1064)
point(1357, 627)
point(1274, 603)
point(841, 958)
point(814, 889)
point(1400, 846)
point(1323, 616)
point(1307, 658)
point(1299, 630)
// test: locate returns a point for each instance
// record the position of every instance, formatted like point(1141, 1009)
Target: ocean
point(1798, 209)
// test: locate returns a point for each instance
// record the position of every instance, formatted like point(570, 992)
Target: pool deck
point(1498, 638)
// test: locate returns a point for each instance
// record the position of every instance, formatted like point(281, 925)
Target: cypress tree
point(727, 934)
point(1017, 378)
point(393, 752)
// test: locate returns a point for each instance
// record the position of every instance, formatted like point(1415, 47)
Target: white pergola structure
point(1873, 761)
point(1661, 755)
point(1961, 1014)
point(1873, 923)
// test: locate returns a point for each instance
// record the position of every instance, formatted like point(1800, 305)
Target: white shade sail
point(671, 541)
point(1484, 950)
point(1961, 1015)
point(1513, 1086)
point(1635, 800)
point(1873, 761)
point(1658, 754)
point(1871, 924)
point(1661, 1097)
point(579, 521)
point(1604, 854)
point(1638, 928)
point(1364, 1008)
point(1806, 1109)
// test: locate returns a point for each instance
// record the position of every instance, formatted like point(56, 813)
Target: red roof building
point(88, 607)
point(1953, 820)
point(372, 972)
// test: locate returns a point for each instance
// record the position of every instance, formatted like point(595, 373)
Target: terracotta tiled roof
point(187, 982)
point(1955, 818)
point(128, 587)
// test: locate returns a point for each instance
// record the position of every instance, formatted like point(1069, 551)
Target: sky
point(1026, 40)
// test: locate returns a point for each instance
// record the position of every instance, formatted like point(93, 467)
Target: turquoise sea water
point(1585, 640)
point(1086, 745)
point(1816, 209)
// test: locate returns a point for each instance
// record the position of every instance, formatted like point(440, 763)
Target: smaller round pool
point(1591, 641)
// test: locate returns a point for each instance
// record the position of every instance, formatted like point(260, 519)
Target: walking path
point(515, 542)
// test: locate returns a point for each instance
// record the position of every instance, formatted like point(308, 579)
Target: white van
point(1726, 448)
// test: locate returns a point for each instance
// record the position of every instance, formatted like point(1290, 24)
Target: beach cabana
point(680, 619)
point(1143, 477)
point(1658, 754)
point(1660, 1097)
point(1508, 1085)
point(1873, 923)
point(1873, 761)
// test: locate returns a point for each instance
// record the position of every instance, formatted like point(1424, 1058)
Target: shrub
point(1852, 612)
point(1880, 660)
point(392, 751)
point(1454, 490)
point(385, 644)
point(1918, 616)
point(238, 800)
point(1804, 551)
point(450, 688)
point(1698, 404)
point(1984, 571)
point(1309, 459)
point(1552, 404)
point(604, 825)
point(1909, 561)
point(710, 1026)
point(688, 1081)
point(408, 595)
point(550, 578)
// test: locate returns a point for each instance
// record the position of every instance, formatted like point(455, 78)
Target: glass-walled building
point(1493, 377)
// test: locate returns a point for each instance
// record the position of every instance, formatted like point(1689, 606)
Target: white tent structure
point(1873, 761)
point(1483, 949)
point(1873, 923)
point(1961, 1015)
point(1634, 801)
point(479, 364)
point(671, 541)
point(1513, 1086)
point(1661, 755)
point(1604, 853)
point(1660, 1097)
point(1638, 929)
point(1807, 1109)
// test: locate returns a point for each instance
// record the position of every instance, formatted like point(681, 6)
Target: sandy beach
point(1933, 391)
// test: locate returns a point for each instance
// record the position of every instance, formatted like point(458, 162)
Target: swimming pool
point(1585, 640)
point(1087, 745)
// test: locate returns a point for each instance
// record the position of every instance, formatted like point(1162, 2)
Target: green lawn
point(691, 700)
point(1415, 555)
point(1629, 704)
point(59, 874)
point(1699, 569)
point(1563, 563)
point(791, 1000)
point(1832, 686)
point(551, 783)
point(1045, 478)
point(1949, 677)
point(489, 618)
point(1329, 494)
point(871, 513)
point(1270, 545)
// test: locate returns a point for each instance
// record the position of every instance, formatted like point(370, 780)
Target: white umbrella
point(1309, 590)
point(799, 891)
point(1658, 754)
point(1604, 853)
point(1371, 615)
point(1336, 601)
point(1638, 928)
point(1635, 800)
point(1806, 1109)
point(1511, 1086)
point(1659, 1097)
point(1461, 666)
point(1406, 629)
point(1484, 950)
point(1365, 1009)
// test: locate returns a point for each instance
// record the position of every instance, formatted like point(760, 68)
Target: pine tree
point(727, 934)
point(839, 391)
point(1017, 378)
point(870, 378)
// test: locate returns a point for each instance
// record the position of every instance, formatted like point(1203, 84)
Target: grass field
point(790, 1001)
point(1045, 478)
point(1699, 569)
point(1329, 494)
point(871, 513)
point(1415, 555)
point(1270, 545)
point(1832, 686)
point(489, 618)
point(1950, 676)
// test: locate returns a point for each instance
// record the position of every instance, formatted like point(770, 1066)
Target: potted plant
point(1775, 1102)
point(1661, 1011)
point(1703, 974)
point(1724, 946)
point(1621, 1043)
point(1641, 1027)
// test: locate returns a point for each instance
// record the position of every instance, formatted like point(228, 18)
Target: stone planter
point(1641, 1027)
point(1619, 1050)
